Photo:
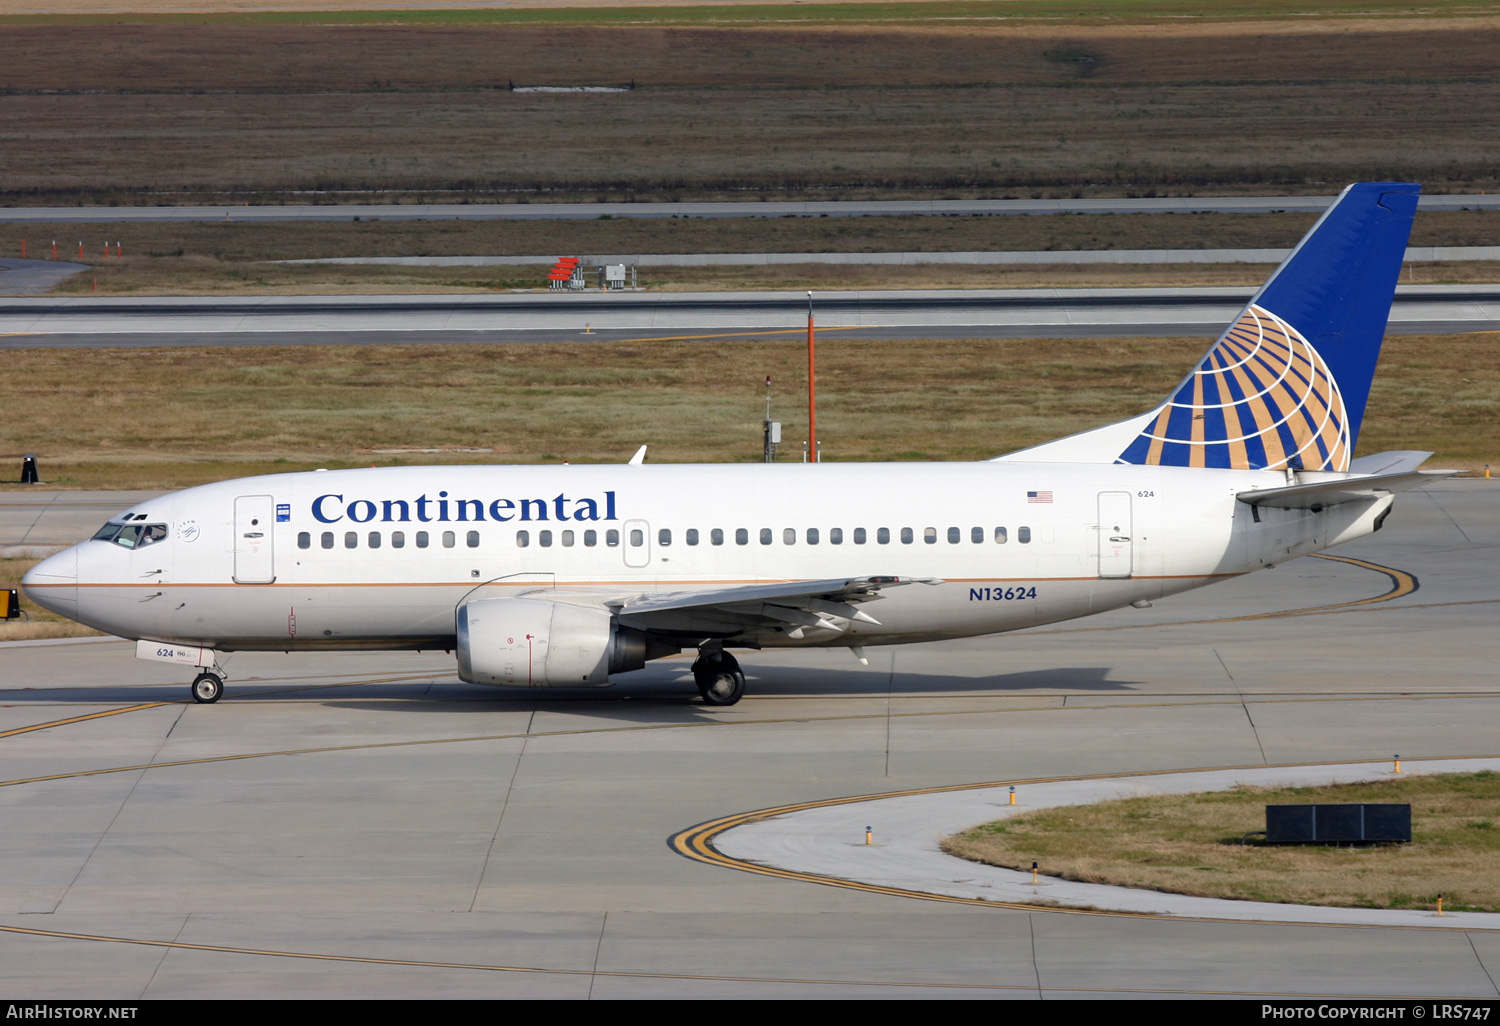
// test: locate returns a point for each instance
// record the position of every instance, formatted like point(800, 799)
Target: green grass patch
point(1203, 844)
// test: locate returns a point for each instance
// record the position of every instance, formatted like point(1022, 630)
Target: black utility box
point(1337, 824)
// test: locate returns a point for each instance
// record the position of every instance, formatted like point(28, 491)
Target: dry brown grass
point(171, 417)
point(136, 111)
point(1192, 844)
point(176, 258)
point(240, 241)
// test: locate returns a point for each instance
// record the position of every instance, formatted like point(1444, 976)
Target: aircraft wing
point(1349, 489)
point(789, 607)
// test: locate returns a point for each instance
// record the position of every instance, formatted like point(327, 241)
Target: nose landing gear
point(719, 679)
point(208, 687)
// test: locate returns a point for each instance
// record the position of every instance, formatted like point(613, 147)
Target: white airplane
point(560, 576)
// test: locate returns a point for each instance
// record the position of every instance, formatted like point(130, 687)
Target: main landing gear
point(208, 687)
point(718, 676)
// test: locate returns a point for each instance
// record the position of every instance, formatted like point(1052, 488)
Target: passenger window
point(473, 539)
point(637, 538)
point(567, 539)
point(812, 536)
point(664, 536)
point(421, 539)
point(716, 536)
point(954, 536)
point(304, 540)
point(835, 536)
point(741, 536)
point(1001, 535)
point(789, 535)
point(859, 536)
point(765, 536)
point(398, 539)
point(544, 539)
point(612, 538)
point(523, 539)
point(906, 536)
point(692, 536)
point(327, 539)
point(1023, 535)
point(449, 538)
point(883, 535)
point(976, 535)
point(374, 539)
point(351, 539)
point(929, 535)
point(590, 538)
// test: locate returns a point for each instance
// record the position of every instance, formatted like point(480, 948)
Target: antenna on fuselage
point(639, 457)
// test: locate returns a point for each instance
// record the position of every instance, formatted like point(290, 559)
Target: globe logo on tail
point(1262, 399)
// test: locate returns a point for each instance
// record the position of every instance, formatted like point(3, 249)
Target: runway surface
point(535, 317)
point(751, 208)
point(365, 826)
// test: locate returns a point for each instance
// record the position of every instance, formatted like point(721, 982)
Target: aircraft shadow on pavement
point(655, 686)
point(674, 687)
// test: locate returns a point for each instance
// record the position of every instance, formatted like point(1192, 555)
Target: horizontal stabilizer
point(1397, 461)
point(1349, 489)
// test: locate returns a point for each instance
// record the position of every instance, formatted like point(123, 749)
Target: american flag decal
point(1039, 496)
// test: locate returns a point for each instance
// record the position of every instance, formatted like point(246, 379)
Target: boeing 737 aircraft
point(563, 575)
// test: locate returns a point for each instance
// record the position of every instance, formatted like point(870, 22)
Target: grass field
point(172, 417)
point(1194, 844)
point(693, 12)
point(130, 110)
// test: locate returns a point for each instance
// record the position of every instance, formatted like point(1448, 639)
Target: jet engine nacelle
point(526, 642)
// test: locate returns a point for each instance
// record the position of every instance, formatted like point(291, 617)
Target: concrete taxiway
point(363, 825)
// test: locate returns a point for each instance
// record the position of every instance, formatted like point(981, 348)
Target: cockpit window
point(132, 535)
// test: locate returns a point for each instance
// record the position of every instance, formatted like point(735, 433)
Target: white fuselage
point(382, 558)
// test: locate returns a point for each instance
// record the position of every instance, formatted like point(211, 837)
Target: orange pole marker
point(812, 388)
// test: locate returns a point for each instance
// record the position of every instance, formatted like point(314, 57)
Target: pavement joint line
point(178, 945)
point(1229, 700)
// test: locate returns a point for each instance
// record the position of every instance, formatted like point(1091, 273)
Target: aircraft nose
point(53, 583)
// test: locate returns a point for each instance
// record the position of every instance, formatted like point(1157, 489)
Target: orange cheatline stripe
point(605, 584)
